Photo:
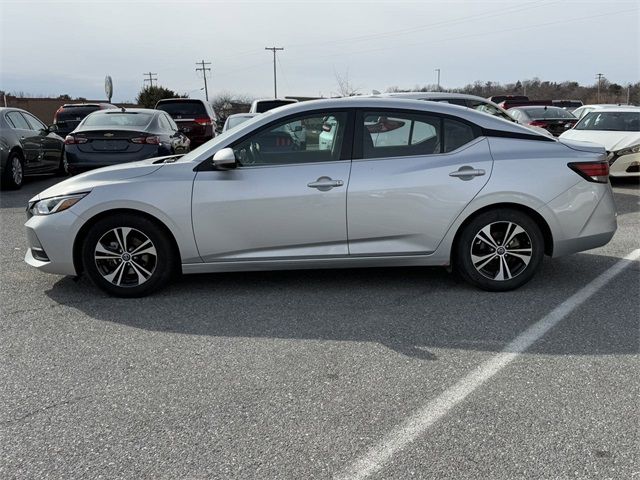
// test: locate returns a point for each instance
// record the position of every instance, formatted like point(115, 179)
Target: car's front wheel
point(128, 255)
point(499, 250)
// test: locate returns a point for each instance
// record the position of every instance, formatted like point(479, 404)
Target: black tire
point(127, 282)
point(12, 179)
point(61, 171)
point(491, 265)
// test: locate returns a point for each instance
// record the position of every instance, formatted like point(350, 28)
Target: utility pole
point(438, 70)
point(628, 95)
point(151, 78)
point(599, 77)
point(204, 69)
point(275, 81)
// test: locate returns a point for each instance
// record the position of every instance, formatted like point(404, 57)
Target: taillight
point(148, 140)
point(538, 123)
point(591, 171)
point(71, 140)
point(202, 120)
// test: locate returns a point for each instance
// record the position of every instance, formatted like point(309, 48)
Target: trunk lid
point(108, 140)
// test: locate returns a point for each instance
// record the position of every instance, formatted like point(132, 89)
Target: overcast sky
point(57, 47)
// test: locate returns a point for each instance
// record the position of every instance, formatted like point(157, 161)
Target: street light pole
point(438, 70)
point(275, 81)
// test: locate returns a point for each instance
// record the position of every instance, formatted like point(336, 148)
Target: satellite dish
point(108, 87)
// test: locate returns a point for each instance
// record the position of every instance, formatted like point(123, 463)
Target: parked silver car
point(459, 188)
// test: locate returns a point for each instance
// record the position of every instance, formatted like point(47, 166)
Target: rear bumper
point(582, 218)
point(77, 161)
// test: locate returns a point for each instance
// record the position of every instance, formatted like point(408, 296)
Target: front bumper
point(50, 242)
point(625, 166)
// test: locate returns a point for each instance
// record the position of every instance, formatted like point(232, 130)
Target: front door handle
point(467, 173)
point(325, 183)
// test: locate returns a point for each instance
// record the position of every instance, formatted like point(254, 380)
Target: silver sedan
point(393, 182)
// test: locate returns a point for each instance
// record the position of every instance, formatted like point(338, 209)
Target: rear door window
point(391, 134)
point(18, 121)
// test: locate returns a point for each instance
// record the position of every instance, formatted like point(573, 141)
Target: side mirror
point(224, 159)
point(52, 128)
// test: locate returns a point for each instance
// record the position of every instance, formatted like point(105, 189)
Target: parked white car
point(583, 110)
point(617, 129)
point(236, 119)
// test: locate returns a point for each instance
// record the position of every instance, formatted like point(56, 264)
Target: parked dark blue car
point(109, 137)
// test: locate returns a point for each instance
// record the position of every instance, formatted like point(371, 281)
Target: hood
point(101, 176)
point(611, 141)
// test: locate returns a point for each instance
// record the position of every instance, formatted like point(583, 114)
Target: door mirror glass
point(52, 128)
point(224, 158)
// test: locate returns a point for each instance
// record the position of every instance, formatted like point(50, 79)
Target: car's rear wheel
point(13, 174)
point(499, 250)
point(128, 255)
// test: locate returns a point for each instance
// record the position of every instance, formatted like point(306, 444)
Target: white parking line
point(376, 457)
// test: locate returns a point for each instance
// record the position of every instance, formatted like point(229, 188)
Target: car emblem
point(108, 134)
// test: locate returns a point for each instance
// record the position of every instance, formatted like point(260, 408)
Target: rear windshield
point(74, 112)
point(267, 105)
point(540, 113)
point(186, 108)
point(610, 121)
point(129, 119)
point(568, 103)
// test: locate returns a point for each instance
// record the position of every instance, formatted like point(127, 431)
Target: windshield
point(187, 107)
point(128, 119)
point(549, 112)
point(610, 121)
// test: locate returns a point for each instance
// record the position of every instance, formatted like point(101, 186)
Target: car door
point(50, 143)
point(405, 190)
point(284, 200)
point(30, 141)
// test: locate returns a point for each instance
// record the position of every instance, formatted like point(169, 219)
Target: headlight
point(628, 150)
point(51, 205)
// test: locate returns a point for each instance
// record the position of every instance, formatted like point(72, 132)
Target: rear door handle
point(325, 183)
point(467, 173)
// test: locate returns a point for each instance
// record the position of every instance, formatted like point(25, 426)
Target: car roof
point(112, 111)
point(245, 114)
point(435, 95)
point(167, 100)
point(479, 118)
point(607, 105)
point(531, 107)
point(622, 108)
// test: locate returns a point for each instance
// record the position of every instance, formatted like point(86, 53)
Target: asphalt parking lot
point(312, 374)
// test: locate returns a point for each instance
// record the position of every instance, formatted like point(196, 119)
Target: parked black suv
point(195, 118)
point(68, 116)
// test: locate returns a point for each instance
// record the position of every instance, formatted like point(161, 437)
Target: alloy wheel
point(125, 257)
point(16, 170)
point(501, 250)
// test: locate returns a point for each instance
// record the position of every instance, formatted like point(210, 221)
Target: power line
point(275, 81)
point(151, 78)
point(204, 69)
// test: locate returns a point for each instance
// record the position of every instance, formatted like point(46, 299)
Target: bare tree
point(345, 87)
